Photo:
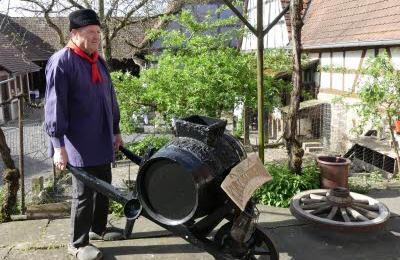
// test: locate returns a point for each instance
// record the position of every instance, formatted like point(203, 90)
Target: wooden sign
point(244, 179)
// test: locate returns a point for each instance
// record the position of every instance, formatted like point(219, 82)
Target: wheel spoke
point(313, 206)
point(344, 215)
point(361, 201)
point(368, 207)
point(261, 252)
point(365, 212)
point(333, 212)
point(309, 201)
point(356, 215)
point(317, 197)
point(321, 209)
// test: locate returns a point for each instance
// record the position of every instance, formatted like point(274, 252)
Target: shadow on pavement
point(308, 241)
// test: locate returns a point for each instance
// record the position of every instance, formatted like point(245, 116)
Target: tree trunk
point(246, 125)
point(293, 146)
point(107, 48)
point(10, 180)
point(106, 40)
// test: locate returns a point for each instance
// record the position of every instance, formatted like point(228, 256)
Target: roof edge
point(352, 44)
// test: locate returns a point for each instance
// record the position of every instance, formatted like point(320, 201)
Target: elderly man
point(82, 120)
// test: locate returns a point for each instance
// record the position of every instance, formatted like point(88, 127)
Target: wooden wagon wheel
point(340, 209)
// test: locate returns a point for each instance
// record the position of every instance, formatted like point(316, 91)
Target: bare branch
point(126, 18)
point(76, 4)
point(173, 8)
point(113, 7)
point(47, 10)
point(87, 3)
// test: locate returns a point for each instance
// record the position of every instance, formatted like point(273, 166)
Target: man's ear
point(73, 33)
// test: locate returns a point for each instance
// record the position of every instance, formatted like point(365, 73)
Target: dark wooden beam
point(241, 17)
point(276, 20)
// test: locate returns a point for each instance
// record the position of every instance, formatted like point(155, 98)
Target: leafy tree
point(129, 91)
point(198, 72)
point(380, 96)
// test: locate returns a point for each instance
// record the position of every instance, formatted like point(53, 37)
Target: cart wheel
point(260, 246)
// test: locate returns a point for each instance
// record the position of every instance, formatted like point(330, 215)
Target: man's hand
point(60, 158)
point(118, 142)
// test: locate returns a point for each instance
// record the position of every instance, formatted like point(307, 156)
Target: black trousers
point(89, 209)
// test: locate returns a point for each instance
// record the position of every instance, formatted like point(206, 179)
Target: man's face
point(87, 38)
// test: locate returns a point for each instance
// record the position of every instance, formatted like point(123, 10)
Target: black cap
point(82, 17)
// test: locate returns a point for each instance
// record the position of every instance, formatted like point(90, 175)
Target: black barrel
point(182, 180)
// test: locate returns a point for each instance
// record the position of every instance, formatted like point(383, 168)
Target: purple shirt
point(81, 115)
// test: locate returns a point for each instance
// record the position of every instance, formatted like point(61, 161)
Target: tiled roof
point(12, 59)
point(342, 22)
point(133, 33)
point(27, 42)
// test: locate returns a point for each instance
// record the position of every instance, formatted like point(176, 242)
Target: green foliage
point(379, 93)
point(278, 60)
point(140, 147)
point(156, 142)
point(238, 131)
point(116, 209)
point(365, 182)
point(285, 184)
point(198, 73)
point(128, 90)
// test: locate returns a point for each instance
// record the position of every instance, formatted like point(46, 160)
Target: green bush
point(143, 145)
point(140, 147)
point(286, 184)
point(238, 131)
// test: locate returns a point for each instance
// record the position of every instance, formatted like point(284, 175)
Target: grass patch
point(363, 183)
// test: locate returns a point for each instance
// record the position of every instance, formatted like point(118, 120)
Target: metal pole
point(21, 152)
point(260, 79)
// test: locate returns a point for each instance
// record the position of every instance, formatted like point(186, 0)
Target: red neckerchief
point(96, 76)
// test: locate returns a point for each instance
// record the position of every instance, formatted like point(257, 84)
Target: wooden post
point(260, 79)
point(21, 151)
point(260, 32)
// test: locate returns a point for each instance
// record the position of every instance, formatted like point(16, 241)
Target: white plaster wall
point(277, 37)
point(352, 61)
point(337, 78)
point(396, 57)
point(325, 76)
